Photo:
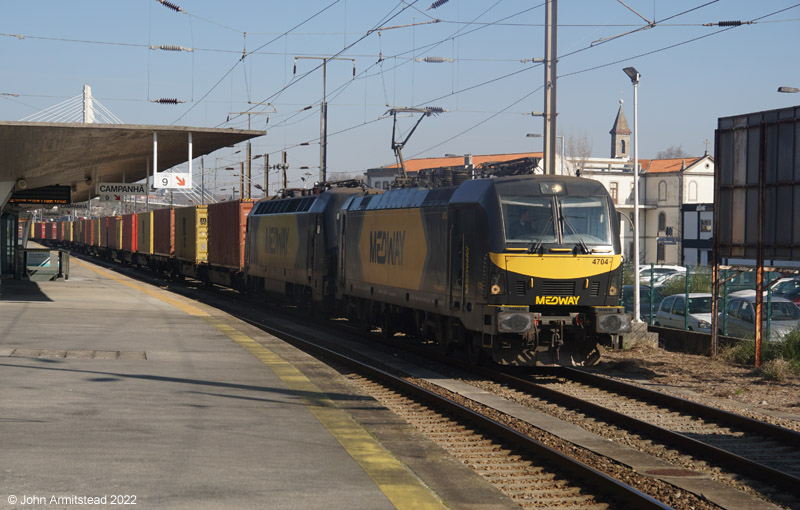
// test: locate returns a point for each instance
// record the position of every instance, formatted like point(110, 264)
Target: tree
point(673, 151)
point(578, 149)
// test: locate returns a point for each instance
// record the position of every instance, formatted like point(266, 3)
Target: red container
point(51, 230)
point(227, 225)
point(62, 226)
point(129, 232)
point(164, 232)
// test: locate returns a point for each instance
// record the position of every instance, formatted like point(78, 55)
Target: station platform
point(113, 388)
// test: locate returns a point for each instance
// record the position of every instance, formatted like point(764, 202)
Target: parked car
point(786, 286)
point(644, 300)
point(741, 313)
point(792, 295)
point(672, 312)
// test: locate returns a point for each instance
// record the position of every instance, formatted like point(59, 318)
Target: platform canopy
point(37, 154)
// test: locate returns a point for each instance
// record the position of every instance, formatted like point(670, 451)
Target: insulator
point(730, 23)
point(437, 3)
point(434, 110)
point(167, 100)
point(170, 5)
point(170, 47)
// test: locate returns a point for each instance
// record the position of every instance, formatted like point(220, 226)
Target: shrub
point(780, 359)
point(778, 370)
point(698, 282)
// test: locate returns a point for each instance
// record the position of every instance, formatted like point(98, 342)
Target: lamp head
point(633, 74)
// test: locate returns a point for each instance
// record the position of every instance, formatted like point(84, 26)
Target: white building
point(665, 185)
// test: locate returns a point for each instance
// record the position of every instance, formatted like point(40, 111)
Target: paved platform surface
point(110, 387)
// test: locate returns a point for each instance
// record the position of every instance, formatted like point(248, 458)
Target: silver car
point(672, 312)
point(741, 313)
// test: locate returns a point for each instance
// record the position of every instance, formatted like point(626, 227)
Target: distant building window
point(622, 147)
point(614, 189)
point(660, 253)
point(692, 191)
point(662, 222)
point(662, 191)
point(705, 225)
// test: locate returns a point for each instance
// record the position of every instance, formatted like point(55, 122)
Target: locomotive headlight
point(514, 322)
point(496, 284)
point(613, 285)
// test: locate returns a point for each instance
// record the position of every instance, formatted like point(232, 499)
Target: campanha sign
point(121, 188)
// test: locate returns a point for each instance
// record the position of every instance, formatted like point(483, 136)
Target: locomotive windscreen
point(581, 220)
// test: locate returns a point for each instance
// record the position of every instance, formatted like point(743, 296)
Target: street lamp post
point(634, 75)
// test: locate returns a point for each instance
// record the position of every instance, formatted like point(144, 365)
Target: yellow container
point(118, 232)
point(191, 233)
point(144, 232)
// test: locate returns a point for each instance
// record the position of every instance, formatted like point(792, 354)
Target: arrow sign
point(173, 180)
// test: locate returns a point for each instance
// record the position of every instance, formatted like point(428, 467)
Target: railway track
point(736, 444)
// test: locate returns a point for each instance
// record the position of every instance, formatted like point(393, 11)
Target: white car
point(658, 273)
point(672, 312)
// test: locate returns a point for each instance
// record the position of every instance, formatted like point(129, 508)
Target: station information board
point(46, 195)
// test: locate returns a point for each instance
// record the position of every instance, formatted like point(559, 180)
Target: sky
point(244, 56)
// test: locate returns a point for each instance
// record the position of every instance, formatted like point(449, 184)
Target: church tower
point(620, 136)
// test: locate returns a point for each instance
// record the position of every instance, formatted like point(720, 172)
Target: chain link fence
point(674, 286)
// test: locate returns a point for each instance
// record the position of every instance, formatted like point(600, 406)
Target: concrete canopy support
point(6, 187)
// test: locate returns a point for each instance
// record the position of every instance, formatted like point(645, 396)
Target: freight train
point(522, 269)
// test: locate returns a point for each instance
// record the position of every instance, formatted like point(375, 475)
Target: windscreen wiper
point(574, 230)
point(535, 247)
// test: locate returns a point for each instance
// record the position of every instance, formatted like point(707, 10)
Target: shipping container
point(164, 232)
point(129, 232)
point(191, 233)
point(104, 232)
point(114, 226)
point(144, 232)
point(227, 226)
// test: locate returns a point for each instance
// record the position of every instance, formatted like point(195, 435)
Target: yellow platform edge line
point(403, 489)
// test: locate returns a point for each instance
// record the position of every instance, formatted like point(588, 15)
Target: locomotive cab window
point(585, 219)
point(528, 219)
